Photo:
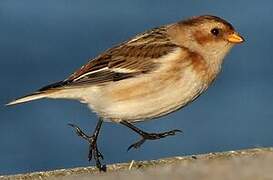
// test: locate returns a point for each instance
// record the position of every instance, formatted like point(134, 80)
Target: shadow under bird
point(148, 76)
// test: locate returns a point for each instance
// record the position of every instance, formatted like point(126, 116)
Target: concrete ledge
point(243, 164)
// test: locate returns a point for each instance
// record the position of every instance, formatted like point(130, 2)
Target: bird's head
point(208, 35)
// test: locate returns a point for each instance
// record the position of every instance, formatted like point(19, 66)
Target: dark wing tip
point(54, 85)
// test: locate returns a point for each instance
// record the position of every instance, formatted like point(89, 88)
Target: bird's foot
point(152, 136)
point(93, 147)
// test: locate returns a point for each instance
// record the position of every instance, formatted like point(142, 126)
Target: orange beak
point(235, 38)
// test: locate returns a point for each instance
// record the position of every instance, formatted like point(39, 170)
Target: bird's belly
point(147, 98)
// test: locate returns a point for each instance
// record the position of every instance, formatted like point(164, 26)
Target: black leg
point(147, 136)
point(92, 140)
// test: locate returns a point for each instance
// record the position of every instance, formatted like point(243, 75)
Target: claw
point(152, 136)
point(79, 132)
point(93, 149)
point(137, 144)
point(172, 133)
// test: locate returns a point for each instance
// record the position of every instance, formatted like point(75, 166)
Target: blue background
point(44, 41)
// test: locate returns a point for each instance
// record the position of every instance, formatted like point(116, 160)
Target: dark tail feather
point(41, 93)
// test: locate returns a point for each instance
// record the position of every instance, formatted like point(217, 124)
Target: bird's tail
point(30, 97)
point(44, 92)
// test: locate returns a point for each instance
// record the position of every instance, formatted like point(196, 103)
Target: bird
point(148, 76)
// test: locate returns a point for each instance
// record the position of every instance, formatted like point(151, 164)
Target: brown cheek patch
point(202, 38)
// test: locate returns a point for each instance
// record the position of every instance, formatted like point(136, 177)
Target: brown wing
point(126, 60)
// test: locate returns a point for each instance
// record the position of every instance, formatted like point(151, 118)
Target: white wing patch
point(117, 70)
point(122, 70)
point(91, 72)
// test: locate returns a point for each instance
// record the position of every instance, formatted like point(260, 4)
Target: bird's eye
point(215, 31)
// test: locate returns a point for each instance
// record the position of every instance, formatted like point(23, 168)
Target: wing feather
point(126, 60)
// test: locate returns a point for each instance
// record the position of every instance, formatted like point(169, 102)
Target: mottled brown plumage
point(134, 56)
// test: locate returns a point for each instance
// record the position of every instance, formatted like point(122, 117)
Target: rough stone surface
point(250, 164)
